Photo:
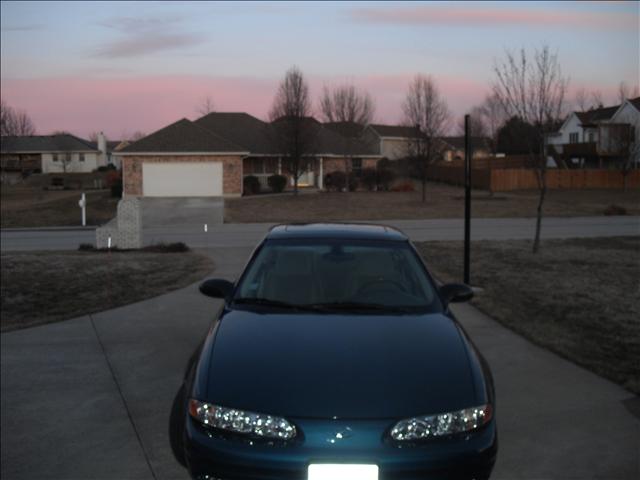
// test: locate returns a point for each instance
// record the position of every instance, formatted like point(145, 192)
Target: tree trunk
point(424, 188)
point(543, 190)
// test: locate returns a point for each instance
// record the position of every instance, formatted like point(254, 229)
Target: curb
point(47, 229)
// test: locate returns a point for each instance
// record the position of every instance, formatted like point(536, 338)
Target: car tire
point(176, 427)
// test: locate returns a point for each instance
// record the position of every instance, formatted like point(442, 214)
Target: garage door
point(200, 179)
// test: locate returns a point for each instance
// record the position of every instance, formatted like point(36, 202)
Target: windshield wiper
point(267, 302)
point(355, 306)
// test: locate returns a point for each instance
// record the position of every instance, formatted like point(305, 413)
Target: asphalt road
point(89, 398)
point(248, 234)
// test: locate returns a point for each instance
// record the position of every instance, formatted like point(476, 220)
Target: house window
point(573, 137)
point(67, 157)
point(591, 137)
point(356, 166)
point(81, 157)
point(55, 157)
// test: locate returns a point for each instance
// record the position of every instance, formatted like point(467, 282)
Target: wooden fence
point(508, 179)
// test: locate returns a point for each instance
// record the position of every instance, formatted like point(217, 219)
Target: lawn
point(578, 297)
point(34, 207)
point(45, 287)
point(443, 201)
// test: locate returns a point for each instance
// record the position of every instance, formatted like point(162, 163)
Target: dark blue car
point(335, 356)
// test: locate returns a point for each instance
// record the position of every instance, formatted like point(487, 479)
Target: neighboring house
point(390, 141)
point(454, 148)
point(49, 154)
point(211, 155)
point(106, 149)
point(595, 138)
point(394, 140)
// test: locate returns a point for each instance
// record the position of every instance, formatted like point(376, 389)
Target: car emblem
point(341, 434)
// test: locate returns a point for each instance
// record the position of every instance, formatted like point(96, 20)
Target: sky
point(138, 66)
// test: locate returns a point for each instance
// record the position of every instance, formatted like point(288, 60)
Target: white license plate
point(337, 471)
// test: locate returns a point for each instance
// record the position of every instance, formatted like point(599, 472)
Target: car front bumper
point(212, 455)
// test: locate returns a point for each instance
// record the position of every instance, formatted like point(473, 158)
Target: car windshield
point(332, 275)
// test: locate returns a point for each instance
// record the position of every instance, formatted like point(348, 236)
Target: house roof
point(259, 137)
point(394, 130)
point(597, 115)
point(45, 143)
point(329, 141)
point(239, 132)
point(635, 102)
point(241, 128)
point(183, 136)
point(346, 129)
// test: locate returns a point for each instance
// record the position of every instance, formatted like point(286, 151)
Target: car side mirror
point(216, 288)
point(455, 292)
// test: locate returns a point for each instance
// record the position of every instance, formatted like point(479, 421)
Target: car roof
point(351, 231)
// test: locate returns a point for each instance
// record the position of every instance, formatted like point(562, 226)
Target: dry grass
point(578, 297)
point(443, 201)
point(43, 287)
point(33, 207)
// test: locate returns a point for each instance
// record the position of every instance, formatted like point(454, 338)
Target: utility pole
point(467, 198)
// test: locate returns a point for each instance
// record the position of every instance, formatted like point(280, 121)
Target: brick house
point(211, 155)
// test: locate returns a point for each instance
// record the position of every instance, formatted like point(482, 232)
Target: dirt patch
point(33, 207)
point(443, 201)
point(578, 297)
point(44, 287)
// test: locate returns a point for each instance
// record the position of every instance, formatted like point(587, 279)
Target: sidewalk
point(90, 397)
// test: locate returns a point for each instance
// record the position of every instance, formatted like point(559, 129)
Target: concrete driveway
point(90, 397)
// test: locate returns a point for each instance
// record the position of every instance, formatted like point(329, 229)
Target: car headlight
point(240, 421)
point(419, 428)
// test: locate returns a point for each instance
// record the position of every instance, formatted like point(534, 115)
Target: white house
point(595, 138)
point(50, 154)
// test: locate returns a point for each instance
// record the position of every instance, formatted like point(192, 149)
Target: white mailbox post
point(83, 205)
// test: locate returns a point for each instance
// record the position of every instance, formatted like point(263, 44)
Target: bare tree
point(347, 104)
point(293, 128)
point(137, 135)
point(427, 111)
point(493, 117)
point(582, 102)
point(15, 122)
point(632, 158)
point(596, 99)
point(624, 92)
point(206, 106)
point(533, 91)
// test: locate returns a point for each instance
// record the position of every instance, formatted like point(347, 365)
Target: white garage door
point(199, 179)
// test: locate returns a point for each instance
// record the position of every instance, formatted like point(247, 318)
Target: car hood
point(339, 366)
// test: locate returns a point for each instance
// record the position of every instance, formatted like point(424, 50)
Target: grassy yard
point(578, 297)
point(45, 287)
point(443, 201)
point(34, 207)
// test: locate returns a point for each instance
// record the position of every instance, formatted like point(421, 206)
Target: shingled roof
point(241, 128)
point(597, 115)
point(394, 130)
point(183, 136)
point(45, 143)
point(346, 129)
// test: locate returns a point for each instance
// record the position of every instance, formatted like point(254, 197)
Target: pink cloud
point(124, 105)
point(118, 105)
point(488, 17)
